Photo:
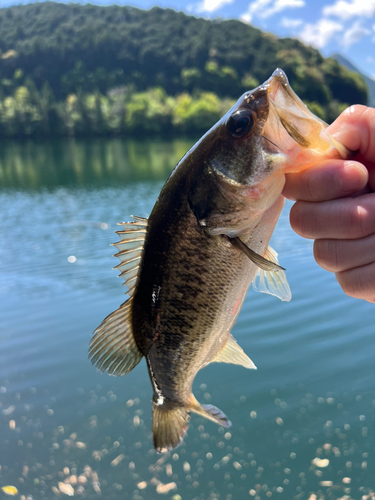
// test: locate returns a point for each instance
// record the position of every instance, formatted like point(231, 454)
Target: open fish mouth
point(290, 123)
point(288, 106)
point(279, 89)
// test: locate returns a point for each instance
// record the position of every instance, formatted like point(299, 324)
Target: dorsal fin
point(130, 248)
point(274, 283)
point(113, 347)
point(233, 353)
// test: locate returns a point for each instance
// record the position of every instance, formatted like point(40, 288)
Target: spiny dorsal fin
point(274, 283)
point(130, 248)
point(233, 353)
point(113, 347)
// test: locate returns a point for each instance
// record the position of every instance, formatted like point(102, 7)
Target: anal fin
point(233, 353)
point(210, 412)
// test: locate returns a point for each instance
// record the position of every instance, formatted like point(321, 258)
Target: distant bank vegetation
point(89, 70)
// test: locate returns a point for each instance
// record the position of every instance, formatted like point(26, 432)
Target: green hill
point(370, 82)
point(77, 69)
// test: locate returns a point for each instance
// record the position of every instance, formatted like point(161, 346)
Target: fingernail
point(354, 177)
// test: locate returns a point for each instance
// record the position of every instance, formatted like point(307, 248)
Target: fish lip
point(277, 81)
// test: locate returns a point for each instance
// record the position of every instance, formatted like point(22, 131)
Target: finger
point(359, 282)
point(341, 255)
point(326, 181)
point(355, 128)
point(346, 218)
point(371, 180)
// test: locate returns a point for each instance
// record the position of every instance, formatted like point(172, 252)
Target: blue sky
point(344, 26)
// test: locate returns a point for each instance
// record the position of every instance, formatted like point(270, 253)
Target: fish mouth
point(278, 87)
point(285, 101)
point(290, 124)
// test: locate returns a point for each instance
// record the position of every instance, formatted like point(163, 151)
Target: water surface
point(312, 397)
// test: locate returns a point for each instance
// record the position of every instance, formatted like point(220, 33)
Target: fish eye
point(241, 122)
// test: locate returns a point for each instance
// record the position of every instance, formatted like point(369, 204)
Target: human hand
point(336, 205)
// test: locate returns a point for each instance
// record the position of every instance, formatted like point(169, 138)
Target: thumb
point(355, 128)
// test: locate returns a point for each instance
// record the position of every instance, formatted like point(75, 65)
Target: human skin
point(335, 205)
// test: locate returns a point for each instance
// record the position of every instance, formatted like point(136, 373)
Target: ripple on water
point(65, 428)
point(101, 445)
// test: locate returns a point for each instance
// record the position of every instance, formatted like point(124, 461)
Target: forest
point(75, 70)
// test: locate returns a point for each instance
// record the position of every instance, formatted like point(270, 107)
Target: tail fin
point(210, 412)
point(169, 425)
point(170, 421)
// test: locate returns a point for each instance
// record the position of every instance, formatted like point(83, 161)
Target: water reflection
point(33, 165)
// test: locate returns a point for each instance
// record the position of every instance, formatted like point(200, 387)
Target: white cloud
point(254, 8)
point(287, 22)
point(281, 5)
point(319, 34)
point(212, 5)
point(354, 34)
point(267, 8)
point(347, 9)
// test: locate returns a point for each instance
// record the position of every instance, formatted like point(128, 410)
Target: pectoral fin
point(271, 277)
point(232, 353)
point(263, 263)
point(274, 283)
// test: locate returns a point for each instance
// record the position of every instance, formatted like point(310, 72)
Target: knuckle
point(295, 217)
point(357, 222)
point(310, 187)
point(328, 255)
point(300, 219)
point(368, 135)
point(356, 283)
point(346, 284)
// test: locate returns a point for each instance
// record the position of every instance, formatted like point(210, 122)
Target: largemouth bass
point(189, 266)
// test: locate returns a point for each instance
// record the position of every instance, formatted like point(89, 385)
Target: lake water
point(303, 423)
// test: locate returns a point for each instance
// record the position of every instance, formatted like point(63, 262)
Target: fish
point(188, 267)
